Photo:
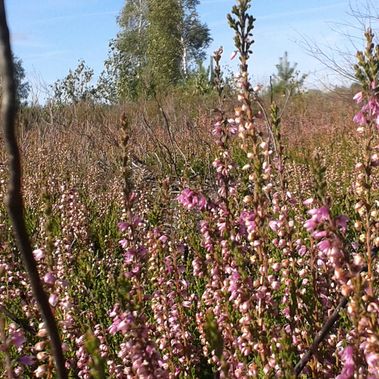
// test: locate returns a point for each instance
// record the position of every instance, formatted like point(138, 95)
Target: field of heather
point(215, 235)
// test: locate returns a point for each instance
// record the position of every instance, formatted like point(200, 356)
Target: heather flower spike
point(237, 251)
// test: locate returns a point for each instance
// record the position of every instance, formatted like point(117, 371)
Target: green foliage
point(23, 87)
point(158, 44)
point(164, 37)
point(287, 80)
point(243, 24)
point(98, 364)
point(200, 81)
point(76, 86)
point(128, 51)
point(214, 336)
point(195, 36)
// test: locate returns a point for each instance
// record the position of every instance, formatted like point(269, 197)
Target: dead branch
point(15, 200)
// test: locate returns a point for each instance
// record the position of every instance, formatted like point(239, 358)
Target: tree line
point(160, 44)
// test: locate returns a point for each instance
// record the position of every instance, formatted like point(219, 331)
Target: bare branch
point(321, 336)
point(15, 201)
point(326, 58)
point(21, 322)
point(363, 14)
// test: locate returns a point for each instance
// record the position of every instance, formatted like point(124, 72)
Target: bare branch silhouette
point(340, 59)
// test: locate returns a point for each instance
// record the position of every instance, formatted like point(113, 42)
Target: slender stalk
point(15, 201)
point(7, 361)
point(321, 336)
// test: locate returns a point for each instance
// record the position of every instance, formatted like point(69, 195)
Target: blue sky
point(50, 36)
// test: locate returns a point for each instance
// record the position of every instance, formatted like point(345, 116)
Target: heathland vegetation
point(185, 224)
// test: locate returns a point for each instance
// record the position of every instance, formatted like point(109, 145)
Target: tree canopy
point(287, 79)
point(159, 42)
point(23, 86)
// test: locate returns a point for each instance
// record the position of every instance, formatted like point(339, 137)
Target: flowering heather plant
point(241, 277)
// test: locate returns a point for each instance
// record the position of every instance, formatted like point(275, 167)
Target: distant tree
point(128, 50)
point(287, 79)
point(159, 41)
point(195, 36)
point(109, 85)
point(200, 79)
point(164, 49)
point(76, 86)
point(23, 87)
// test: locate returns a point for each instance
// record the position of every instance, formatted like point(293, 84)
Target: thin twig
point(321, 336)
point(173, 141)
point(21, 322)
point(15, 201)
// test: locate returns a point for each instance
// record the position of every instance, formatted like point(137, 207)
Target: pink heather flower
point(247, 223)
point(49, 278)
point(163, 238)
point(375, 158)
point(372, 360)
point(308, 201)
point(355, 245)
point(234, 285)
point(38, 254)
point(217, 129)
point(221, 226)
point(113, 328)
point(273, 225)
point(319, 214)
point(27, 360)
point(372, 106)
point(129, 256)
point(349, 364)
point(123, 243)
point(122, 226)
point(18, 339)
point(310, 225)
point(302, 250)
point(53, 299)
point(324, 246)
point(234, 54)
point(232, 127)
point(341, 222)
point(190, 199)
point(40, 372)
point(360, 118)
point(320, 234)
point(358, 97)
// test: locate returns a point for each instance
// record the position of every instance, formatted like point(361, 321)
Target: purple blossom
point(27, 360)
point(319, 214)
point(360, 118)
point(49, 278)
point(341, 222)
point(192, 200)
point(18, 339)
point(358, 97)
point(274, 225)
point(349, 364)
